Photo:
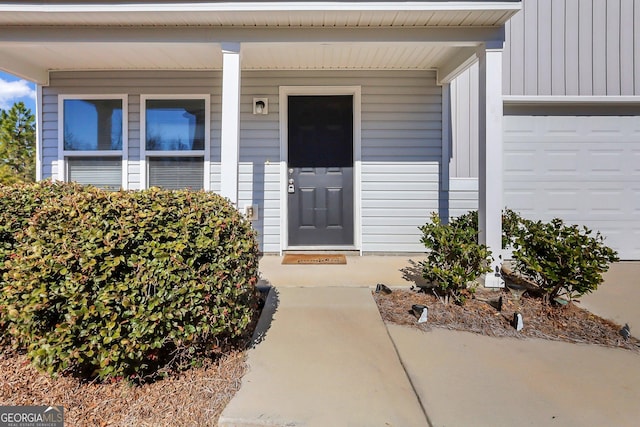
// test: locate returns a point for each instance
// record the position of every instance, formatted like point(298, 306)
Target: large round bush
point(118, 283)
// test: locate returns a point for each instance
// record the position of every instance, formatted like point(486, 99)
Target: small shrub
point(562, 260)
point(118, 284)
point(454, 257)
point(511, 224)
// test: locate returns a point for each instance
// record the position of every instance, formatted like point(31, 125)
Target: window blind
point(176, 173)
point(100, 172)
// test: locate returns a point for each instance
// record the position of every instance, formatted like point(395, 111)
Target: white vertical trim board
point(206, 153)
point(356, 91)
point(62, 166)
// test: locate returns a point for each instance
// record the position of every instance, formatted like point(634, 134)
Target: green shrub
point(108, 284)
point(511, 224)
point(18, 202)
point(562, 260)
point(454, 257)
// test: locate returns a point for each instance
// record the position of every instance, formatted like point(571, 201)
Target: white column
point(39, 132)
point(490, 168)
point(446, 140)
point(230, 132)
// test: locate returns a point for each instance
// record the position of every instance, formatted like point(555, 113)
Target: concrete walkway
point(465, 379)
point(327, 359)
point(618, 298)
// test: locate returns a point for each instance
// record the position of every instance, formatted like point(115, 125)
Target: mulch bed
point(191, 398)
point(568, 323)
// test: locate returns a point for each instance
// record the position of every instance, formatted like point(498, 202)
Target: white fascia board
point(114, 34)
point(561, 99)
point(264, 7)
point(18, 66)
point(464, 59)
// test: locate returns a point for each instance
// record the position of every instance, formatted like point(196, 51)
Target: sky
point(14, 89)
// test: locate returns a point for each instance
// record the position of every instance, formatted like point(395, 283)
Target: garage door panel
point(585, 170)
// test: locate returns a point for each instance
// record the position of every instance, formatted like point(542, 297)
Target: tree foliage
point(17, 145)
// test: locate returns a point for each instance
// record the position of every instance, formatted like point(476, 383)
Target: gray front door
point(320, 170)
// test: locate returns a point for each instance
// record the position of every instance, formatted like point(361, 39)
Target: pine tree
point(17, 145)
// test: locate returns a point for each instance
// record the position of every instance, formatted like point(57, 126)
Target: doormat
point(314, 259)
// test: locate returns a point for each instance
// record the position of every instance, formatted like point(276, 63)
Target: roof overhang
point(39, 37)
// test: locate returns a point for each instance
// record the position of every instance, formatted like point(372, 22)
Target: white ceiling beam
point(22, 68)
point(457, 36)
point(463, 59)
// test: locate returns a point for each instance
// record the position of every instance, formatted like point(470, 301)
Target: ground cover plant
point(111, 285)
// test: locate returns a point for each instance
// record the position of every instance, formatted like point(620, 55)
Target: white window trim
point(356, 91)
point(123, 154)
point(144, 153)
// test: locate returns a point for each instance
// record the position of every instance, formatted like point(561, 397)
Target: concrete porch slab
point(326, 360)
point(367, 270)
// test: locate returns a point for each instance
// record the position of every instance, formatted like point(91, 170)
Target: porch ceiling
point(260, 13)
point(39, 37)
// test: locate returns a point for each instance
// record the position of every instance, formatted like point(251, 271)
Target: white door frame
point(285, 91)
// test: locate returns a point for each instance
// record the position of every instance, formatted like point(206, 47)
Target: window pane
point(92, 124)
point(99, 172)
point(175, 124)
point(176, 173)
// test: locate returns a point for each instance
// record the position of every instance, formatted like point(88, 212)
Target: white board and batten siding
point(577, 160)
point(573, 48)
point(401, 131)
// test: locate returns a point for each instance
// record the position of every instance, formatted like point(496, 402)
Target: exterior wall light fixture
point(260, 105)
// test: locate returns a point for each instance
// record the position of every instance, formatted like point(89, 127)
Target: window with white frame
point(93, 139)
point(175, 141)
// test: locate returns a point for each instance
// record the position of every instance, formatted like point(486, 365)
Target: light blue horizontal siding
point(401, 134)
point(463, 196)
point(400, 141)
point(133, 83)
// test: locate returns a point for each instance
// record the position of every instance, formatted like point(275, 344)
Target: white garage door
point(583, 169)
